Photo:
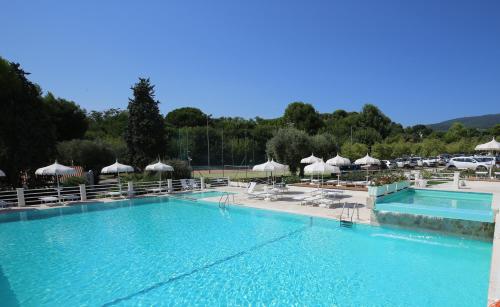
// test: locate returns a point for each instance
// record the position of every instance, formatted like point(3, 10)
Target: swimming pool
point(165, 251)
point(446, 204)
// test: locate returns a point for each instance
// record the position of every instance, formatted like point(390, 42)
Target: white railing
point(28, 197)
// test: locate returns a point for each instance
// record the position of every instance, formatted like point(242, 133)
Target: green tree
point(432, 147)
point(145, 132)
point(27, 139)
point(289, 146)
point(69, 119)
point(455, 133)
point(91, 155)
point(371, 116)
point(303, 116)
point(354, 151)
point(382, 151)
point(401, 148)
point(324, 145)
point(186, 117)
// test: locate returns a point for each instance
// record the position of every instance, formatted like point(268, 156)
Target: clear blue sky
point(419, 61)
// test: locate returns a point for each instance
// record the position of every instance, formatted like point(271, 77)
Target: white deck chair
point(251, 193)
point(184, 185)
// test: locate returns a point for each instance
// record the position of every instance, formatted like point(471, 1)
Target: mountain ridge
point(481, 122)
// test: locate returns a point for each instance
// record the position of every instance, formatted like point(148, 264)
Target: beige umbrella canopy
point(56, 170)
point(367, 160)
point(117, 168)
point(2, 174)
point(160, 168)
point(321, 168)
point(339, 161)
point(310, 160)
point(491, 146)
point(270, 166)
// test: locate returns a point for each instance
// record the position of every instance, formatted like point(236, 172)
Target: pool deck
point(288, 204)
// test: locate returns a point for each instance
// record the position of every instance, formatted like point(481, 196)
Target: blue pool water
point(162, 251)
point(453, 205)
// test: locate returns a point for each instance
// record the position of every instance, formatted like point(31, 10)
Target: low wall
point(480, 230)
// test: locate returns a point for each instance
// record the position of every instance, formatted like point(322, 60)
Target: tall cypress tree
point(145, 132)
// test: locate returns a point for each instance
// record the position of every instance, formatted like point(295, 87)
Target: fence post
point(83, 192)
point(202, 183)
point(169, 185)
point(20, 197)
point(130, 185)
point(228, 181)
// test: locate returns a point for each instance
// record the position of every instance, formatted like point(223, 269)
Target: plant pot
point(377, 190)
point(391, 188)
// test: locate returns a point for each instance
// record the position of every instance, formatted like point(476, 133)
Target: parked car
point(402, 162)
point(430, 162)
point(389, 164)
point(443, 159)
point(414, 162)
point(468, 163)
point(490, 161)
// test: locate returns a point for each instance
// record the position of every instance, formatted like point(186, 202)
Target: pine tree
point(145, 132)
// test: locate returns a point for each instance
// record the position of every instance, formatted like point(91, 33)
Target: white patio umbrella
point(56, 170)
point(339, 161)
point(117, 168)
point(320, 168)
point(310, 160)
point(160, 168)
point(367, 160)
point(2, 174)
point(490, 147)
point(270, 166)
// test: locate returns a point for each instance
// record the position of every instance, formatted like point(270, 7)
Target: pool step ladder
point(225, 200)
point(346, 219)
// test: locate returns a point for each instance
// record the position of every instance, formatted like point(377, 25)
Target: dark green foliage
point(289, 146)
point(91, 155)
point(145, 131)
point(303, 116)
point(181, 169)
point(186, 117)
point(27, 135)
point(69, 119)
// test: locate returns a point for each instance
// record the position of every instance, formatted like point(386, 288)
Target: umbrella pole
point(58, 189)
point(119, 184)
point(160, 182)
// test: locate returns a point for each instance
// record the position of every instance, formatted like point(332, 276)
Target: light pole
point(208, 144)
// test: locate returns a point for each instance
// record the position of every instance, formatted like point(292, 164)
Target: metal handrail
point(226, 199)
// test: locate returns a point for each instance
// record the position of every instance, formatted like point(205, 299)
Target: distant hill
point(481, 122)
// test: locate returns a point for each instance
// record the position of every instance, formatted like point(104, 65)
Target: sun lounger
point(185, 185)
point(48, 199)
point(157, 190)
point(69, 197)
point(251, 193)
point(3, 204)
point(114, 193)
